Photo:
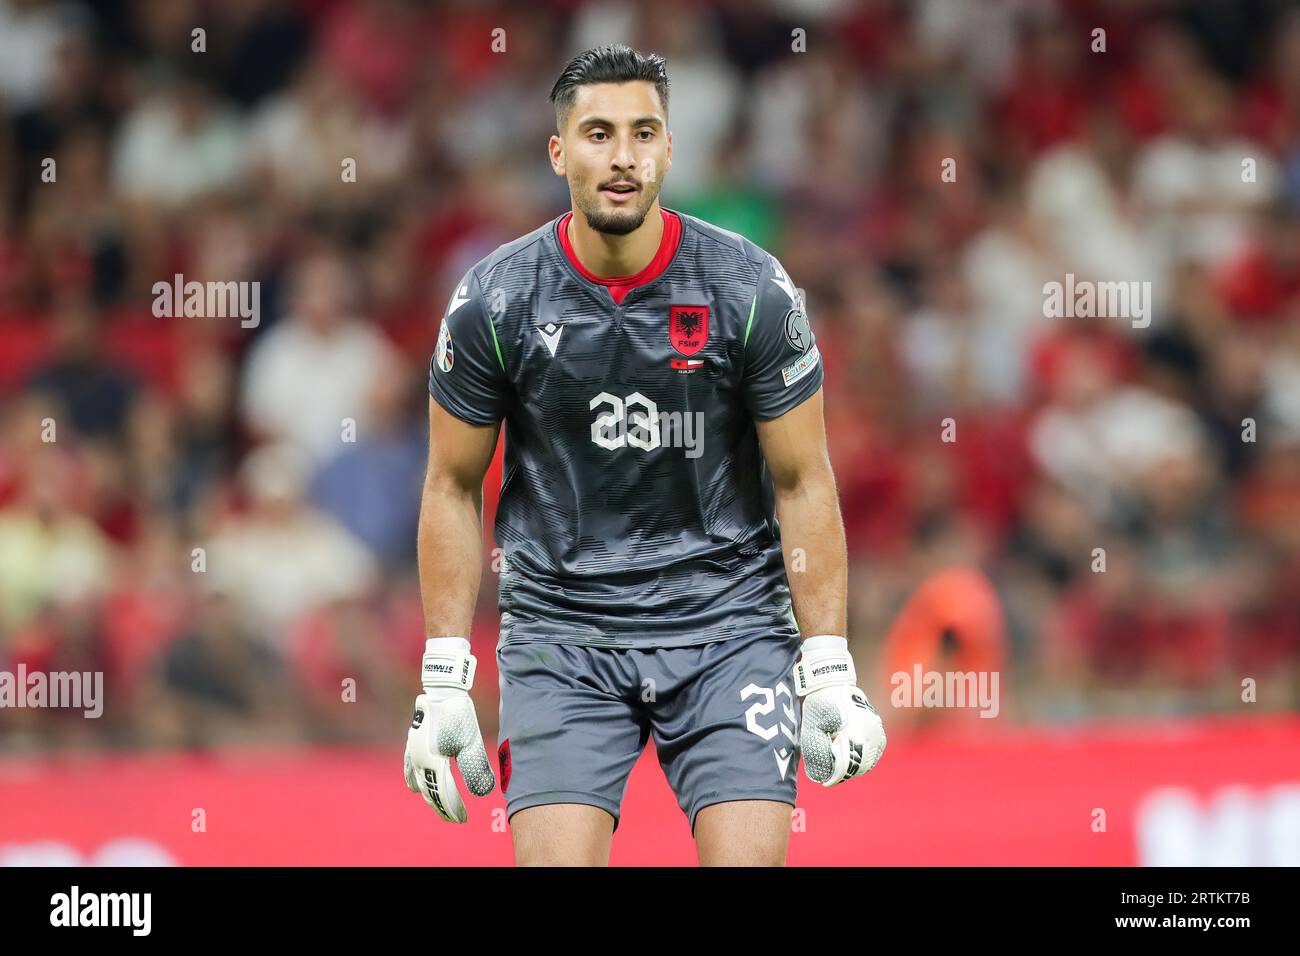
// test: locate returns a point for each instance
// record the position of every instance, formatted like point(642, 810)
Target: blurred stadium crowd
point(926, 293)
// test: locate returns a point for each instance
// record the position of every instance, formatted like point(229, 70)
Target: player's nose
point(623, 158)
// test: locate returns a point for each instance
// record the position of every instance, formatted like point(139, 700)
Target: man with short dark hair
point(661, 389)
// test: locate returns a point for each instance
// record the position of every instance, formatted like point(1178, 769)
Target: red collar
point(621, 286)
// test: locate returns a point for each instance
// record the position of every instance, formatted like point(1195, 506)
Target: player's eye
point(646, 135)
point(599, 135)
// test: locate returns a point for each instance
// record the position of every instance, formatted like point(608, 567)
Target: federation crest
point(688, 327)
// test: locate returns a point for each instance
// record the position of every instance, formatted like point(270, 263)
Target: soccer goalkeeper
point(660, 387)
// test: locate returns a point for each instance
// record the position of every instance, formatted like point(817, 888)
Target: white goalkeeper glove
point(840, 733)
point(445, 726)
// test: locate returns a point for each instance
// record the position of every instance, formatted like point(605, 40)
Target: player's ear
point(555, 149)
point(668, 154)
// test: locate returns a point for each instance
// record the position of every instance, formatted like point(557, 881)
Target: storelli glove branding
point(59, 690)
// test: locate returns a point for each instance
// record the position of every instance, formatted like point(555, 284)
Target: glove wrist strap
point(825, 662)
point(447, 663)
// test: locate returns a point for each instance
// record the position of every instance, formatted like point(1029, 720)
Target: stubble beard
point(617, 222)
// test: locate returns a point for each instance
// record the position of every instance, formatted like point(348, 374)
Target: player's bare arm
point(450, 544)
point(840, 733)
point(808, 509)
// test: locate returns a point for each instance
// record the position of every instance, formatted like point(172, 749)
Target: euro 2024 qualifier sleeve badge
point(797, 330)
point(444, 354)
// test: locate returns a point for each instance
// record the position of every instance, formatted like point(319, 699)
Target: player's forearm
point(450, 549)
point(812, 537)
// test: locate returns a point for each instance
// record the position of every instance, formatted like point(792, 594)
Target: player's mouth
point(619, 192)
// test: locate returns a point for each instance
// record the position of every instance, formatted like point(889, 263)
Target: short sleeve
point(467, 374)
point(782, 364)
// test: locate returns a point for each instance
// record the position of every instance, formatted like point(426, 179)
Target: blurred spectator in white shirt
point(953, 360)
point(1005, 267)
point(1101, 439)
point(31, 33)
point(283, 558)
point(299, 139)
point(179, 145)
point(315, 367)
point(1194, 183)
point(1079, 192)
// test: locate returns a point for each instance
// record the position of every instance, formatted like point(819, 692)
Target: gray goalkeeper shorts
point(575, 718)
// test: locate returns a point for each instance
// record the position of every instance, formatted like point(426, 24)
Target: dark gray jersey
point(635, 506)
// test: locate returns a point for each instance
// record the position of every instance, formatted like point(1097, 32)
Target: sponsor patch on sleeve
point(806, 363)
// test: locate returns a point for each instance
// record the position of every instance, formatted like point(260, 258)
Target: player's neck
point(613, 257)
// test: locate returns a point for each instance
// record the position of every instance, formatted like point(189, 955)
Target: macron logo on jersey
point(551, 336)
point(459, 299)
point(783, 280)
point(783, 760)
